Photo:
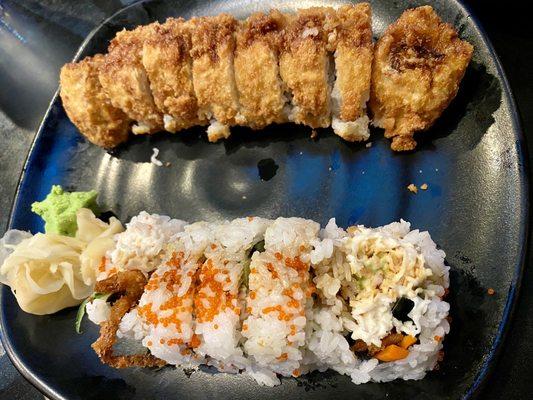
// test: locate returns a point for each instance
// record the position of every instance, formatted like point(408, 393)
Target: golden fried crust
point(418, 65)
point(167, 62)
point(213, 44)
point(88, 107)
point(125, 81)
point(256, 69)
point(353, 59)
point(304, 66)
point(130, 285)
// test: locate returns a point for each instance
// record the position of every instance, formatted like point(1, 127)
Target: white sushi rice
point(352, 131)
point(141, 128)
point(131, 326)
point(98, 311)
point(326, 342)
point(217, 131)
point(276, 325)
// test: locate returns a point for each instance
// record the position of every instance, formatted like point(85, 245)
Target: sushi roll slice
point(261, 93)
point(353, 65)
point(87, 105)
point(213, 44)
point(167, 304)
point(166, 59)
point(218, 299)
point(126, 83)
point(279, 300)
point(327, 339)
point(306, 68)
point(401, 279)
point(418, 65)
point(388, 283)
point(141, 247)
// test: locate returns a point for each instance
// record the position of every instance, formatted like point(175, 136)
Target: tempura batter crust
point(257, 72)
point(125, 81)
point(418, 65)
point(213, 44)
point(353, 59)
point(87, 105)
point(166, 58)
point(304, 67)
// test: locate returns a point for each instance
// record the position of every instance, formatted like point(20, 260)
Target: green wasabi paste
point(59, 208)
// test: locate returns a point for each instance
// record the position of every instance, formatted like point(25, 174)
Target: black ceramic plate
point(475, 208)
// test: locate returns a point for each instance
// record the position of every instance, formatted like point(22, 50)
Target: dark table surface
point(38, 36)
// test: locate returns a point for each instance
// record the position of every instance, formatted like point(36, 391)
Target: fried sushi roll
point(418, 65)
point(166, 59)
point(317, 67)
point(261, 93)
point(305, 67)
point(87, 105)
point(279, 300)
point(126, 83)
point(353, 63)
point(213, 44)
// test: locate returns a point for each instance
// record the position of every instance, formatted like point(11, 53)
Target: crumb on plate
point(153, 158)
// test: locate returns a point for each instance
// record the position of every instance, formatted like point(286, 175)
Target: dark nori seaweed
point(401, 308)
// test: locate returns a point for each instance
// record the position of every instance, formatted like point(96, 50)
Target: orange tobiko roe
point(211, 298)
point(296, 263)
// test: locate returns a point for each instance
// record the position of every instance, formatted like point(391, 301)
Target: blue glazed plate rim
point(488, 364)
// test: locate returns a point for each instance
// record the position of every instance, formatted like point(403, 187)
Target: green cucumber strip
point(81, 309)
